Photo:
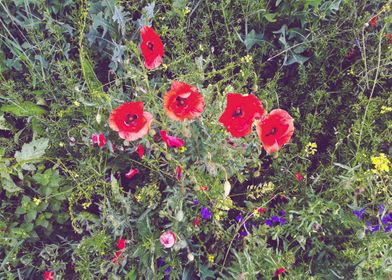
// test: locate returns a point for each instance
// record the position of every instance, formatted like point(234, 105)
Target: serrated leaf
point(294, 58)
point(32, 152)
point(93, 84)
point(120, 18)
point(25, 109)
point(3, 123)
point(253, 38)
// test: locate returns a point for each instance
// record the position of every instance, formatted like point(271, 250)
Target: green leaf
point(270, 17)
point(253, 38)
point(6, 181)
point(93, 84)
point(3, 123)
point(32, 152)
point(25, 109)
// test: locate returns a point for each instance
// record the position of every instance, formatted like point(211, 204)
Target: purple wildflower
point(388, 228)
point(381, 208)
point(372, 228)
point(239, 218)
point(359, 213)
point(205, 213)
point(195, 202)
point(387, 219)
point(281, 213)
point(274, 221)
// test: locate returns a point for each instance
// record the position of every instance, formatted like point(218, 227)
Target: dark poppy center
point(180, 101)
point(238, 113)
point(272, 131)
point(130, 119)
point(150, 46)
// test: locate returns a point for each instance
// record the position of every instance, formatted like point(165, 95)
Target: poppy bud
point(98, 118)
point(227, 188)
point(191, 257)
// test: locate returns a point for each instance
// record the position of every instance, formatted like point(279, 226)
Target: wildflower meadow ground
point(191, 139)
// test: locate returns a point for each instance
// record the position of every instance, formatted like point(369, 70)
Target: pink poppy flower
point(279, 271)
point(299, 176)
point(48, 275)
point(168, 239)
point(178, 173)
point(98, 139)
point(275, 130)
point(131, 173)
point(140, 150)
point(171, 141)
point(117, 257)
point(121, 244)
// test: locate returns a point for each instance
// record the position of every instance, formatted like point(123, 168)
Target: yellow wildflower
point(310, 149)
point(211, 258)
point(37, 200)
point(381, 163)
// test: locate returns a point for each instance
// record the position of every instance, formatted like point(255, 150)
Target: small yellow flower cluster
point(37, 200)
point(310, 149)
point(381, 163)
point(386, 8)
point(187, 11)
point(246, 59)
point(85, 205)
point(183, 149)
point(385, 109)
point(211, 258)
point(351, 72)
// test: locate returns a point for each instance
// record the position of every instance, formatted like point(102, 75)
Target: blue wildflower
point(274, 221)
point(195, 202)
point(381, 208)
point(388, 228)
point(206, 213)
point(281, 213)
point(167, 272)
point(372, 228)
point(239, 218)
point(359, 213)
point(387, 219)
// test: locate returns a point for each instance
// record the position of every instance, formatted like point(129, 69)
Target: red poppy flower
point(241, 111)
point(98, 139)
point(204, 188)
point(279, 271)
point(130, 120)
point(275, 130)
point(197, 221)
point(183, 102)
point(178, 173)
point(152, 47)
point(140, 150)
point(131, 173)
point(299, 176)
point(171, 141)
point(373, 21)
point(48, 275)
point(121, 244)
point(261, 209)
point(117, 257)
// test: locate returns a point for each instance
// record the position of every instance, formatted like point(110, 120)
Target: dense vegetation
point(77, 201)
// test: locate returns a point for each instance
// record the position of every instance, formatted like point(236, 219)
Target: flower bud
point(191, 257)
point(98, 118)
point(227, 188)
